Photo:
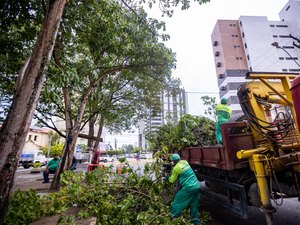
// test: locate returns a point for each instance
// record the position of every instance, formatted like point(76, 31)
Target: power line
point(201, 92)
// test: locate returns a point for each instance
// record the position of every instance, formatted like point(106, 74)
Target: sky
point(190, 32)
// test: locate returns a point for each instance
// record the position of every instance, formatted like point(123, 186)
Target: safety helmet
point(224, 100)
point(175, 157)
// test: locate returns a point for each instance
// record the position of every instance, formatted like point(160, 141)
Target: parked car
point(29, 158)
point(143, 156)
point(106, 159)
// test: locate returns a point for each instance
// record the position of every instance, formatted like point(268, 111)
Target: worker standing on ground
point(224, 113)
point(189, 194)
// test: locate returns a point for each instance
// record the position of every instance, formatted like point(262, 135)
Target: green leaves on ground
point(24, 208)
point(130, 198)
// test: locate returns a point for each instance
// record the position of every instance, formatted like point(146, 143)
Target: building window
point(281, 58)
point(294, 70)
point(248, 57)
point(250, 68)
point(284, 36)
point(243, 35)
point(230, 25)
point(215, 43)
point(237, 58)
point(245, 45)
point(217, 53)
point(222, 88)
point(275, 36)
point(241, 23)
point(234, 25)
point(271, 25)
point(284, 70)
point(236, 46)
point(218, 64)
point(287, 8)
point(291, 47)
point(35, 138)
point(221, 76)
point(291, 58)
point(281, 25)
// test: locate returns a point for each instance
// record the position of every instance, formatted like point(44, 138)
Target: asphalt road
point(287, 214)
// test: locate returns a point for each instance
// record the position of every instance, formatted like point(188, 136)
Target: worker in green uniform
point(189, 194)
point(224, 113)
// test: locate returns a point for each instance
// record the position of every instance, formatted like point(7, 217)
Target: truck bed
point(222, 156)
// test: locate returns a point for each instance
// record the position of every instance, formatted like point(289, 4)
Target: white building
point(174, 106)
point(259, 38)
point(253, 43)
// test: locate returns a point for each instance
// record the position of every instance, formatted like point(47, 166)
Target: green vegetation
point(190, 131)
point(54, 149)
point(111, 198)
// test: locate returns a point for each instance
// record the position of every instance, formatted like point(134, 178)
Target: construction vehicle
point(259, 161)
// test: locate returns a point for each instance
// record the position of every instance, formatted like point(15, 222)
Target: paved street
point(287, 214)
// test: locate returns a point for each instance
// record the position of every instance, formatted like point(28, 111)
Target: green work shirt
point(224, 113)
point(186, 176)
point(53, 164)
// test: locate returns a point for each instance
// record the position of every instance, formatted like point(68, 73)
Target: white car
point(106, 159)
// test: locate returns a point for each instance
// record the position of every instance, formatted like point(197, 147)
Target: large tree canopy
point(111, 52)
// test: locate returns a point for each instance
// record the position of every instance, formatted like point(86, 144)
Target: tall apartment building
point(253, 43)
point(230, 60)
point(173, 106)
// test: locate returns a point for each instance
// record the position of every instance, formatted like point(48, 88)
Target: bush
point(54, 149)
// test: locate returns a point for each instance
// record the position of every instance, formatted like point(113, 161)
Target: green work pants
point(218, 130)
point(183, 199)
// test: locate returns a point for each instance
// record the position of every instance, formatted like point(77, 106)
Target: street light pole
point(275, 44)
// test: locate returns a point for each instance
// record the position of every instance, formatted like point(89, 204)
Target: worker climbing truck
point(259, 161)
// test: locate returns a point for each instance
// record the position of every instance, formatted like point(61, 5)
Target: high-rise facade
point(173, 106)
point(253, 43)
point(230, 60)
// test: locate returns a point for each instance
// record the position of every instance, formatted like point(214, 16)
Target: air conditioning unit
point(222, 88)
point(221, 75)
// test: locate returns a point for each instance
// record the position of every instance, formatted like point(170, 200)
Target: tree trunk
point(91, 132)
point(15, 128)
point(101, 124)
point(73, 130)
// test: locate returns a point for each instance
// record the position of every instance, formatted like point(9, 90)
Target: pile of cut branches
point(129, 198)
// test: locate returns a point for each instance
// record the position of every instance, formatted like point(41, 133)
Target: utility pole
point(49, 147)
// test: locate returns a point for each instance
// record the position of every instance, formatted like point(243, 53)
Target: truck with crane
point(259, 161)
